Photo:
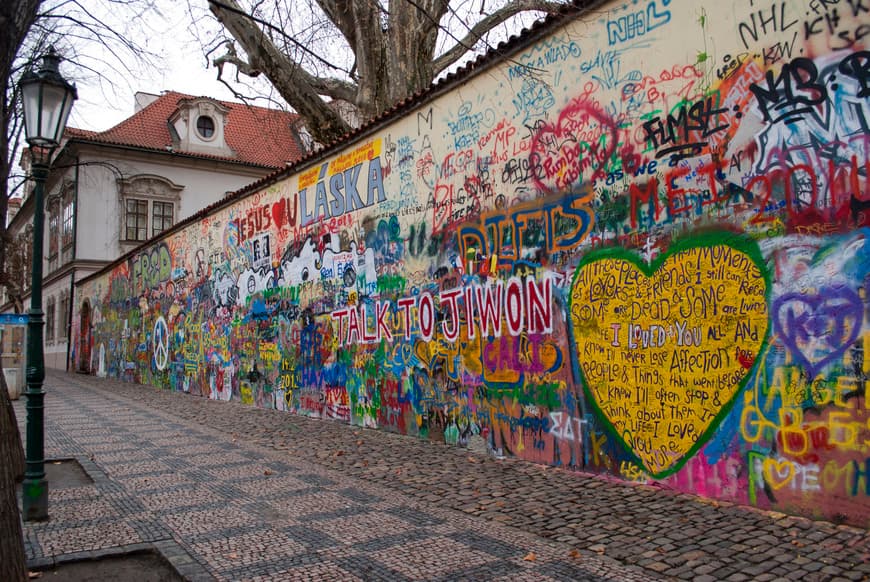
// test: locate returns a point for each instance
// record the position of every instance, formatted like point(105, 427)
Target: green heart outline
point(698, 239)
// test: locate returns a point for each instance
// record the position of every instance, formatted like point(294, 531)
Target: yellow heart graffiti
point(777, 473)
point(664, 348)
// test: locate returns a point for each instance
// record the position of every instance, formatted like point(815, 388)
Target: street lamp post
point(47, 99)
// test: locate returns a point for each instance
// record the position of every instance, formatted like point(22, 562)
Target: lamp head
point(47, 99)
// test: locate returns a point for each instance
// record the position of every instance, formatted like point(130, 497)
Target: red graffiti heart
point(279, 216)
point(575, 149)
point(285, 212)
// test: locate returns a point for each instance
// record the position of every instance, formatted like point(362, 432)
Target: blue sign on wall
point(13, 319)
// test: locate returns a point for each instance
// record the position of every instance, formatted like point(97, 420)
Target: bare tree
point(12, 565)
point(16, 21)
point(395, 49)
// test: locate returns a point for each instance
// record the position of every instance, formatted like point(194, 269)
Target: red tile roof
point(259, 136)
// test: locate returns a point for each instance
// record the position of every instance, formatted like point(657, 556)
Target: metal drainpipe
point(72, 280)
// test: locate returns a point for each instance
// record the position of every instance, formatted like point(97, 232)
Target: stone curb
point(168, 550)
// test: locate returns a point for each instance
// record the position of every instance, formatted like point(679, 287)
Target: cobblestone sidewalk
point(677, 536)
point(655, 532)
point(218, 504)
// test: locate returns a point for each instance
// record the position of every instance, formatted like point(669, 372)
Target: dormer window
point(199, 126)
point(205, 126)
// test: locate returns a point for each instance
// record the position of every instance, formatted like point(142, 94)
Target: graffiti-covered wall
point(638, 247)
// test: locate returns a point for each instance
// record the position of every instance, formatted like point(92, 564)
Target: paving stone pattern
point(251, 492)
point(219, 505)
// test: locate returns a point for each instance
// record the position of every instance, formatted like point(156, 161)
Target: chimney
point(143, 100)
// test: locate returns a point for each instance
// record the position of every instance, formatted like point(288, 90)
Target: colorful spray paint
point(638, 248)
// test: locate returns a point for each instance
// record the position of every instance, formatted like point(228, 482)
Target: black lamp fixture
point(47, 99)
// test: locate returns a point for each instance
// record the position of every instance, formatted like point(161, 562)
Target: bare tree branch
point(231, 7)
point(291, 81)
point(341, 14)
point(333, 88)
point(488, 23)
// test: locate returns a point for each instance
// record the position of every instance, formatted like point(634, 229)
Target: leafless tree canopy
point(397, 48)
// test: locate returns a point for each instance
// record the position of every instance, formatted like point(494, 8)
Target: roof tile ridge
point(142, 112)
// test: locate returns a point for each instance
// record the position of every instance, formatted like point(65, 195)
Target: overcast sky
point(180, 65)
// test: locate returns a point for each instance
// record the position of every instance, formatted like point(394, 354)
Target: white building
point(107, 192)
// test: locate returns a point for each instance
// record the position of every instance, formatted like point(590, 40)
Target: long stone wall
point(636, 247)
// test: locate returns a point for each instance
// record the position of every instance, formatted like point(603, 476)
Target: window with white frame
point(63, 308)
point(49, 319)
point(25, 243)
point(53, 228)
point(161, 216)
point(136, 217)
point(150, 206)
point(66, 236)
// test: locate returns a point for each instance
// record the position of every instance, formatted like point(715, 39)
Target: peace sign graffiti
point(160, 343)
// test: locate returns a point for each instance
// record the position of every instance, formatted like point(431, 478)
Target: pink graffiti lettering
point(575, 149)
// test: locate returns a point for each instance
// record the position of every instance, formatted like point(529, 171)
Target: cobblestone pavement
point(245, 490)
point(220, 505)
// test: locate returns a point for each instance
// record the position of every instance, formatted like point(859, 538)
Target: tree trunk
point(288, 78)
point(12, 566)
point(16, 19)
point(413, 34)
